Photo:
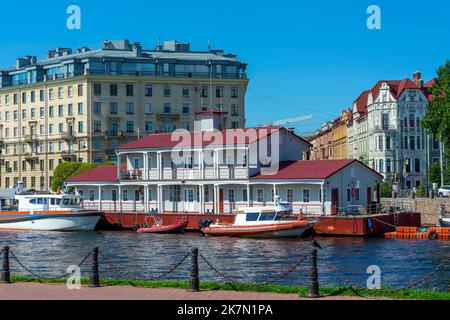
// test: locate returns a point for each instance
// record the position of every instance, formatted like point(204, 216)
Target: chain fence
point(115, 268)
point(230, 280)
point(410, 286)
point(37, 277)
point(198, 257)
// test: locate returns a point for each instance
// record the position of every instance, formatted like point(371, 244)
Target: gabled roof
point(396, 88)
point(427, 89)
point(310, 169)
point(200, 139)
point(99, 174)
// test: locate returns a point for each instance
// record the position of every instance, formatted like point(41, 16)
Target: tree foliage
point(68, 170)
point(437, 120)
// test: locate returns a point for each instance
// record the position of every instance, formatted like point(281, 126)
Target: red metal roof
point(205, 138)
point(98, 174)
point(309, 169)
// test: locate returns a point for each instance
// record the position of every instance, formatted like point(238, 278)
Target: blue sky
point(304, 57)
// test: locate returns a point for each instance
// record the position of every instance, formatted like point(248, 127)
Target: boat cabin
point(49, 202)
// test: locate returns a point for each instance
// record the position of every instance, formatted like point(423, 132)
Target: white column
point(216, 165)
point(119, 167)
point(322, 199)
point(145, 176)
point(216, 200)
point(249, 203)
point(120, 199)
point(100, 207)
point(201, 194)
point(160, 166)
point(201, 164)
point(146, 199)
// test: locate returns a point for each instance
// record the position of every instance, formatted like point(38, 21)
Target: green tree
point(434, 173)
point(437, 120)
point(68, 170)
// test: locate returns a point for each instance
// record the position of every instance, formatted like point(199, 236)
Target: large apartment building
point(81, 106)
point(386, 131)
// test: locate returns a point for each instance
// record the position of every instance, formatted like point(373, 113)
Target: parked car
point(444, 192)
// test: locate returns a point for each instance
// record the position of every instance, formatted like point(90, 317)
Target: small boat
point(49, 213)
point(177, 227)
point(262, 222)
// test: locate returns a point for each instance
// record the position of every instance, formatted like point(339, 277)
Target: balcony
point(115, 134)
point(379, 129)
point(30, 156)
point(68, 136)
point(31, 138)
point(68, 156)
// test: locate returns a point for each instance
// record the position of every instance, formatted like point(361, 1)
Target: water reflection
point(143, 255)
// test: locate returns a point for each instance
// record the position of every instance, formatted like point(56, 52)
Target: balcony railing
point(223, 173)
point(384, 128)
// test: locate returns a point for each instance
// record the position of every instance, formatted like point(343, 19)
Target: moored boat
point(49, 213)
point(177, 227)
point(261, 222)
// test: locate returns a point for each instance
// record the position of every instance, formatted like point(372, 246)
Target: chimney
point(417, 76)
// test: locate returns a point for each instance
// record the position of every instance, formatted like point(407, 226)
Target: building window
point(51, 94)
point(33, 96)
point(60, 93)
point(148, 108)
point(290, 196)
point(388, 166)
point(113, 90)
point(412, 143)
point(381, 166)
point(148, 126)
point(80, 90)
point(417, 167)
point(70, 109)
point(244, 195)
point(260, 195)
point(167, 92)
point(113, 108)
point(91, 195)
point(97, 107)
point(60, 111)
point(306, 195)
point(185, 108)
point(388, 143)
point(167, 108)
point(125, 195)
point(148, 91)
point(130, 108)
point(235, 92)
point(70, 91)
point(219, 92)
point(80, 108)
point(408, 165)
point(185, 92)
point(130, 90)
point(234, 110)
point(97, 126)
point(80, 126)
point(97, 89)
point(130, 126)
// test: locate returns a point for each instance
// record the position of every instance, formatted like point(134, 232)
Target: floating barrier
point(434, 233)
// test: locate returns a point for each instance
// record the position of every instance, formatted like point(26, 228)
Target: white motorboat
point(63, 212)
point(262, 222)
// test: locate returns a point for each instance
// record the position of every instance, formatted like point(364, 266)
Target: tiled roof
point(98, 174)
point(199, 139)
point(309, 169)
point(396, 88)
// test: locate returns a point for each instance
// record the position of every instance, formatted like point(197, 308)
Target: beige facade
point(340, 135)
point(85, 118)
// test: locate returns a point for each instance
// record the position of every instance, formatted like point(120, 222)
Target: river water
point(143, 256)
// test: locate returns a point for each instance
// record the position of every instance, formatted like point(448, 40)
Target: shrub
point(68, 170)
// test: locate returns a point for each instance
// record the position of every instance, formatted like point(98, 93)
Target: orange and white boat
point(262, 222)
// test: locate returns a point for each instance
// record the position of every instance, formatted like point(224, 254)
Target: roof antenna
point(209, 45)
point(158, 46)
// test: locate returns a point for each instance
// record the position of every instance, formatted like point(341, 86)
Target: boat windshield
point(267, 216)
point(70, 202)
point(281, 216)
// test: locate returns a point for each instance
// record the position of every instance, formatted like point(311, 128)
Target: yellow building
point(340, 135)
point(81, 106)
